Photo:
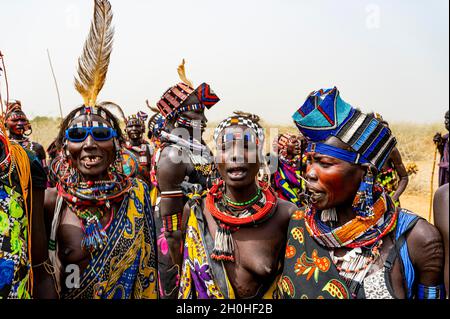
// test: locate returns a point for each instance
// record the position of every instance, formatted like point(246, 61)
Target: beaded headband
point(88, 124)
point(88, 110)
point(325, 114)
point(15, 116)
point(246, 137)
point(140, 116)
point(242, 121)
point(183, 121)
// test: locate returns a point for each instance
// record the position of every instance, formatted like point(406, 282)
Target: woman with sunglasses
point(102, 233)
point(235, 236)
point(99, 216)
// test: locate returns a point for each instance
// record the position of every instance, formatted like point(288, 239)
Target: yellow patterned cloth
point(203, 277)
point(126, 268)
point(14, 262)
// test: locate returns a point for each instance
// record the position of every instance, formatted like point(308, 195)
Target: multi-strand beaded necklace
point(90, 200)
point(362, 236)
point(230, 215)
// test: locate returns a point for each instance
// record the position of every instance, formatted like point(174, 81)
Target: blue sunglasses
point(98, 133)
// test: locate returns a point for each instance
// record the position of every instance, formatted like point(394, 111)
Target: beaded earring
point(328, 215)
point(363, 202)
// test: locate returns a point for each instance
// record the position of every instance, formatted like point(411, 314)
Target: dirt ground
point(418, 200)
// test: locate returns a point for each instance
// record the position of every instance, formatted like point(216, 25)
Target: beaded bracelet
point(430, 292)
point(172, 194)
point(172, 222)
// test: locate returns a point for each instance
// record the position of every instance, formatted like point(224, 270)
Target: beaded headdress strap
point(88, 110)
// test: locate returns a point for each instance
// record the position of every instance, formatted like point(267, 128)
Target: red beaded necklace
point(228, 223)
point(227, 218)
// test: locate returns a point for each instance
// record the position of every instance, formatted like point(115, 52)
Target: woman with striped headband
point(350, 241)
point(235, 236)
point(102, 241)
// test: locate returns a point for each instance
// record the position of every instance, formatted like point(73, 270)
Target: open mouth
point(91, 160)
point(237, 172)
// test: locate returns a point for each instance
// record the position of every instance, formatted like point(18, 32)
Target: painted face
point(238, 156)
point(332, 182)
point(17, 123)
point(91, 157)
point(134, 129)
point(446, 121)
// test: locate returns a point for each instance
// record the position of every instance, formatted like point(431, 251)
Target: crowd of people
point(110, 214)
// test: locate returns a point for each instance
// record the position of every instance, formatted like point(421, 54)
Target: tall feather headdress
point(93, 63)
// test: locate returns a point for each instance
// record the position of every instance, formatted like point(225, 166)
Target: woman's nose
point(89, 141)
point(311, 174)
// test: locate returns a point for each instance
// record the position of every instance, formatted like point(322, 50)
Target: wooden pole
point(431, 185)
point(56, 84)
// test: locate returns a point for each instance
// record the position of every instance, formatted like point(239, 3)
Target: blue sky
point(259, 56)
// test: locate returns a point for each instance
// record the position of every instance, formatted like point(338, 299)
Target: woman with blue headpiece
point(350, 241)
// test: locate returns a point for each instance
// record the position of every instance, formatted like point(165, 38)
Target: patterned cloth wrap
point(203, 277)
point(14, 263)
point(309, 272)
point(126, 267)
point(388, 179)
point(287, 183)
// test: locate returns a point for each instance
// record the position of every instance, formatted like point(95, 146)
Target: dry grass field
point(415, 143)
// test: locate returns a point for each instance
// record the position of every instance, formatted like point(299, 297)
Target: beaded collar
point(89, 200)
point(356, 232)
point(231, 216)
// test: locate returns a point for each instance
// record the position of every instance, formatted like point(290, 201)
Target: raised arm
point(171, 171)
point(401, 172)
